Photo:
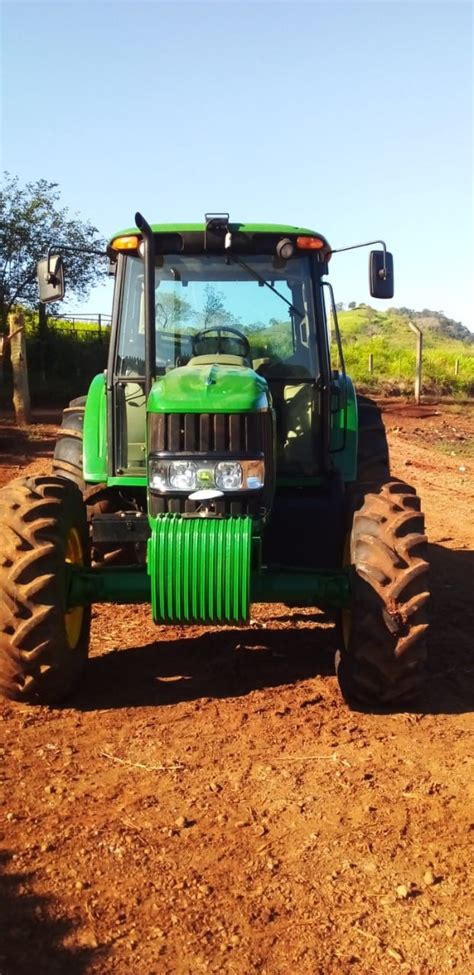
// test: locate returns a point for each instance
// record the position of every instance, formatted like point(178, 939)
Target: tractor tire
point(67, 460)
point(43, 647)
point(373, 457)
point(383, 635)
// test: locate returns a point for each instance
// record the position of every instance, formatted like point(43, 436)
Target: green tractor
point(221, 460)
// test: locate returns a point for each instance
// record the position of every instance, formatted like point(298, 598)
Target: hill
point(363, 323)
point(379, 350)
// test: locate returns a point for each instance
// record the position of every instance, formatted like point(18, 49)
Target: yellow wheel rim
point(346, 615)
point(73, 618)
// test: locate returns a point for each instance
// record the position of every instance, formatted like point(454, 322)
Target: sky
point(354, 119)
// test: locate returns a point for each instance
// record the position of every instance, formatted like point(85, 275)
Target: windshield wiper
point(258, 277)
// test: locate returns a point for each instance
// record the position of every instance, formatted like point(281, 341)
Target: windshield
point(197, 293)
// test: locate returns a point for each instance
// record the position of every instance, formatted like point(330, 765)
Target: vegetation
point(448, 350)
point(30, 222)
point(62, 359)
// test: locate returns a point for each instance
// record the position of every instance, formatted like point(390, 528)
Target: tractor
point(222, 459)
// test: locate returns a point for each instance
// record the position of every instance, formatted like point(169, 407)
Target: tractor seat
point(219, 359)
point(282, 371)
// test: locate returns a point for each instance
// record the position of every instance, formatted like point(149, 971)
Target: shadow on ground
point(30, 935)
point(20, 444)
point(219, 663)
point(450, 678)
point(232, 663)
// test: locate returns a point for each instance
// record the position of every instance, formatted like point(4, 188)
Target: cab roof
point(282, 229)
point(196, 238)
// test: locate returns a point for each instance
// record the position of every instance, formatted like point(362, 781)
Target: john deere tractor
point(222, 459)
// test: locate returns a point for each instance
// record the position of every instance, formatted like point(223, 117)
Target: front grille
point(208, 433)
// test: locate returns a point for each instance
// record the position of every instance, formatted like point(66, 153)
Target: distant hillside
point(379, 350)
point(363, 322)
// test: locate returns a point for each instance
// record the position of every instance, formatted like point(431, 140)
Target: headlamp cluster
point(193, 474)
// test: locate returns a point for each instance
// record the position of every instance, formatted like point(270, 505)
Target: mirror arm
point(59, 248)
point(353, 247)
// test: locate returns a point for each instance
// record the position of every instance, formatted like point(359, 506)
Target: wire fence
point(84, 326)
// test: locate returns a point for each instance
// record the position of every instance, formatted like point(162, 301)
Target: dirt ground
point(206, 802)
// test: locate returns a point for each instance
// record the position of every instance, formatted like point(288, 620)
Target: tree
point(30, 222)
point(215, 314)
point(352, 304)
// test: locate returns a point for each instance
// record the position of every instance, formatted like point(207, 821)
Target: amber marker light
point(310, 243)
point(127, 243)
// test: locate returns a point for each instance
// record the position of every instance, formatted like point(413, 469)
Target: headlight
point(228, 476)
point(166, 475)
point(158, 475)
point(183, 475)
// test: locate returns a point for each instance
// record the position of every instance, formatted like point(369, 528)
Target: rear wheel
point(43, 644)
point(372, 455)
point(384, 633)
point(99, 499)
point(67, 460)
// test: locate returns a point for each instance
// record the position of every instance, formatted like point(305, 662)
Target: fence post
point(371, 361)
point(419, 359)
point(21, 389)
point(456, 367)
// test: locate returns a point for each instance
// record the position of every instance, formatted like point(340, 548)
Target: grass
point(455, 447)
point(447, 366)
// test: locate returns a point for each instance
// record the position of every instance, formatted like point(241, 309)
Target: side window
point(131, 352)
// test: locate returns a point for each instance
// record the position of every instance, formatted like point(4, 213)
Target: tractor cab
point(235, 317)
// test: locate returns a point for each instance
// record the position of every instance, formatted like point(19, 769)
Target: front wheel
point(43, 643)
point(383, 637)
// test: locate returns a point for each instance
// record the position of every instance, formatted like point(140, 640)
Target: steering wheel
point(218, 332)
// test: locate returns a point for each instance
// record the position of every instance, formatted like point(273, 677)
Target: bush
point(61, 364)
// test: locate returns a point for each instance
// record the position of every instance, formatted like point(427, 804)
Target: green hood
point(207, 388)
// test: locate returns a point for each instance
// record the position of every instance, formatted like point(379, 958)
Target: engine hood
point(215, 388)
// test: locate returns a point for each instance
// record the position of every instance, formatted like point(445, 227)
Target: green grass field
point(448, 363)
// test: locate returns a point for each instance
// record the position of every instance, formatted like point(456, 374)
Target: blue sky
point(352, 118)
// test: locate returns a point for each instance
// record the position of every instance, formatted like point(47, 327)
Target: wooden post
point(456, 367)
point(3, 346)
point(21, 390)
point(419, 359)
point(371, 361)
point(43, 338)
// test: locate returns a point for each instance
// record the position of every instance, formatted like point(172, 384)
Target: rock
point(402, 891)
point(429, 878)
point(393, 953)
point(87, 939)
point(182, 822)
point(205, 889)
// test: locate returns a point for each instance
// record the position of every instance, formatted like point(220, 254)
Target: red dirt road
point(206, 802)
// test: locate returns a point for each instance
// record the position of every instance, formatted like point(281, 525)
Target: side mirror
point(51, 278)
point(381, 274)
